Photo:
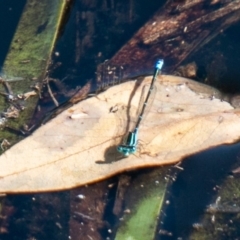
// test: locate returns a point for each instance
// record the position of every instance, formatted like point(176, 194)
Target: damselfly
point(129, 146)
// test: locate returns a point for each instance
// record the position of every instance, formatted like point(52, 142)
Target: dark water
point(10, 12)
point(103, 27)
point(45, 216)
point(196, 187)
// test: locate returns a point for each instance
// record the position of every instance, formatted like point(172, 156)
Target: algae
point(29, 54)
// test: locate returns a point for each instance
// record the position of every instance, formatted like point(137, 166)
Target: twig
point(51, 94)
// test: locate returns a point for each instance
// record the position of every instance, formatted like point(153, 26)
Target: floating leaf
point(79, 145)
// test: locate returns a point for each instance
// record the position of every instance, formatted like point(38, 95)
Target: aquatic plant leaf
point(79, 145)
point(30, 51)
point(34, 39)
point(144, 203)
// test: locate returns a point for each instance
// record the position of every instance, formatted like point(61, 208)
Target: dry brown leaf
point(79, 145)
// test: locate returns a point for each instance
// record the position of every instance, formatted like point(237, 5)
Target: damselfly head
point(159, 64)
